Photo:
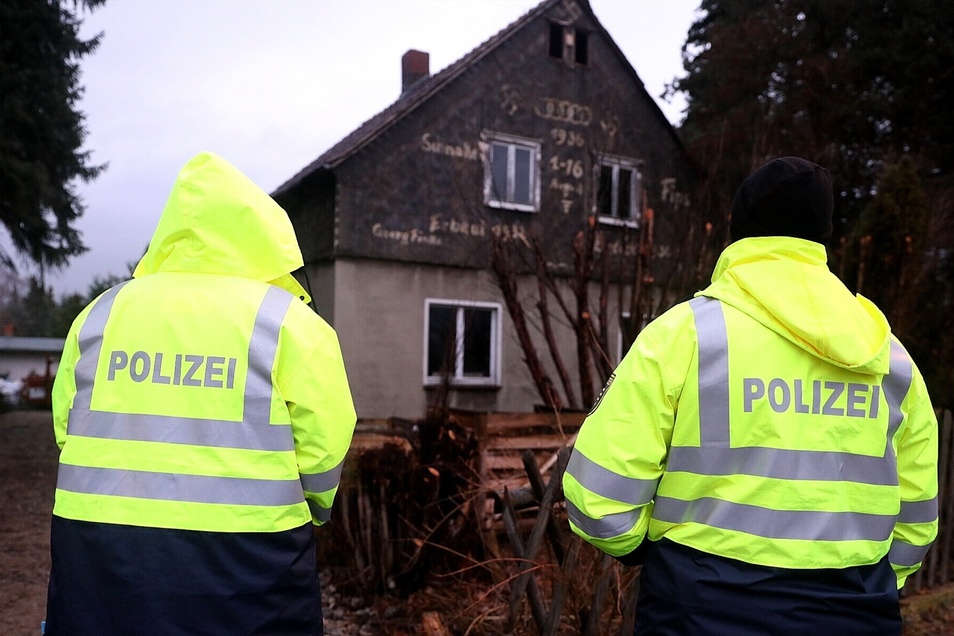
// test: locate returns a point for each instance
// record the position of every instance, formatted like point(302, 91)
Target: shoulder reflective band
point(715, 457)
point(713, 372)
point(261, 354)
point(90, 345)
point(253, 433)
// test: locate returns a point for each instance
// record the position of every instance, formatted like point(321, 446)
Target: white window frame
point(458, 378)
point(635, 195)
point(512, 142)
point(569, 43)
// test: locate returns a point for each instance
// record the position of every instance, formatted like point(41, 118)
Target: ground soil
point(28, 458)
point(27, 479)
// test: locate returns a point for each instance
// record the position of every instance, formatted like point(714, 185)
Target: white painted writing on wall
point(563, 110)
point(429, 143)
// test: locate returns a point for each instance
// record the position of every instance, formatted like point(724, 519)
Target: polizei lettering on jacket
point(183, 369)
point(817, 397)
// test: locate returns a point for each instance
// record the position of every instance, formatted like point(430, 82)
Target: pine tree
point(862, 87)
point(847, 84)
point(41, 128)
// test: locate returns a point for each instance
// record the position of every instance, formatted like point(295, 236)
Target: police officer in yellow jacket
point(203, 414)
point(767, 449)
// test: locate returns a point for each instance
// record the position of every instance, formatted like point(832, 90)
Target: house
point(27, 368)
point(22, 356)
point(542, 131)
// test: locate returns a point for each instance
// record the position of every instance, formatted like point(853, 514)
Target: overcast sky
point(272, 84)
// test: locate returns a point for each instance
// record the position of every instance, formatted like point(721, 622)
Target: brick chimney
point(415, 66)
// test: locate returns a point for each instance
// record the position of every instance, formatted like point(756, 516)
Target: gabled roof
point(27, 343)
point(422, 90)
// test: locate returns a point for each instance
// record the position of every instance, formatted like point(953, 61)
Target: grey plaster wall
point(379, 317)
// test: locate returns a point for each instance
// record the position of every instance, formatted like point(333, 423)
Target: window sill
point(458, 386)
point(506, 205)
point(610, 220)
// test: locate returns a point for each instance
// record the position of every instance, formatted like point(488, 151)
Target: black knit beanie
point(784, 197)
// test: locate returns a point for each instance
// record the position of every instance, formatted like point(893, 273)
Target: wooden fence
point(560, 584)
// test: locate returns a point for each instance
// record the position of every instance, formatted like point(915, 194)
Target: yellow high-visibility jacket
point(773, 419)
point(204, 394)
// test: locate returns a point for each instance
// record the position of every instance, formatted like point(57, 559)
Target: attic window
point(569, 44)
point(556, 40)
point(579, 51)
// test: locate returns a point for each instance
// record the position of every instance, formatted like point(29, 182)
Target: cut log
point(432, 625)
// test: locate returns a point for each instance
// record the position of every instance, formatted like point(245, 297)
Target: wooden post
point(554, 530)
point(524, 578)
point(933, 570)
point(559, 587)
point(592, 627)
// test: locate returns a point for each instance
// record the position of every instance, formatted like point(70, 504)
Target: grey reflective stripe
point(769, 462)
point(713, 371)
point(178, 487)
point(918, 511)
point(253, 433)
point(608, 484)
point(777, 463)
point(895, 386)
point(182, 430)
point(261, 354)
point(715, 457)
point(319, 512)
point(811, 525)
point(606, 528)
point(321, 482)
point(90, 345)
point(905, 554)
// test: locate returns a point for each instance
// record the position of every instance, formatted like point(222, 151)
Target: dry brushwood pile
point(460, 517)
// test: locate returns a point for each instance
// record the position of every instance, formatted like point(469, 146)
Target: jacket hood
point(785, 284)
point(216, 221)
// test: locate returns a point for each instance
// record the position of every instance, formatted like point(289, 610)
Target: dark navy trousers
point(685, 592)
point(112, 579)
